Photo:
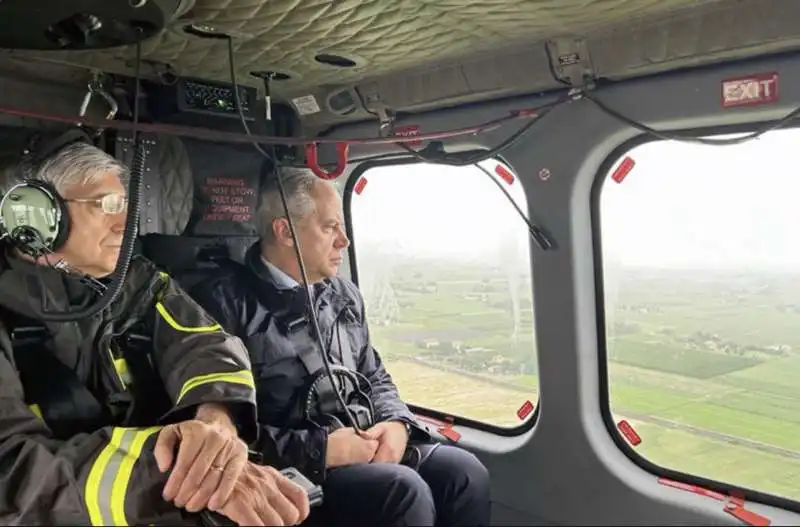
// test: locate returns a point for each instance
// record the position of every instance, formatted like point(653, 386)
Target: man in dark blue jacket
point(370, 478)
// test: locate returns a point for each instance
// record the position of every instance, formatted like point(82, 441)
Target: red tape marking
point(505, 174)
point(450, 434)
point(736, 500)
point(748, 517)
point(623, 170)
point(629, 433)
point(431, 420)
point(525, 410)
point(360, 184)
point(692, 488)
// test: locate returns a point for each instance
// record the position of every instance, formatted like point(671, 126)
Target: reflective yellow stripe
point(120, 488)
point(35, 408)
point(240, 377)
point(108, 478)
point(121, 365)
point(162, 310)
point(92, 492)
point(174, 323)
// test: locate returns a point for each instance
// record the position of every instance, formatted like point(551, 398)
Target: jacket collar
point(279, 278)
point(25, 287)
point(277, 290)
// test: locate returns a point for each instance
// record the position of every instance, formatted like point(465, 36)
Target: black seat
point(198, 203)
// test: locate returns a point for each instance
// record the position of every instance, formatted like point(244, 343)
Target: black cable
point(461, 161)
point(131, 226)
point(687, 138)
point(542, 239)
point(301, 264)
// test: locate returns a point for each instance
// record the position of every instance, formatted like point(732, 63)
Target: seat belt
point(326, 401)
point(345, 351)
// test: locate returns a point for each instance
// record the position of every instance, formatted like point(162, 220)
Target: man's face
point(322, 235)
point(95, 237)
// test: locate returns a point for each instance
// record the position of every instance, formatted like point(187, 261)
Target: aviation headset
point(33, 216)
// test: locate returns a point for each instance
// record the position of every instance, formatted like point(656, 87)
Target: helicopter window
point(443, 262)
point(701, 275)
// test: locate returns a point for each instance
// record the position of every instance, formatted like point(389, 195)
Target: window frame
point(439, 415)
point(604, 382)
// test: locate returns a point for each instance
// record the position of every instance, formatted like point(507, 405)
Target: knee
point(407, 482)
point(409, 498)
point(463, 470)
point(472, 472)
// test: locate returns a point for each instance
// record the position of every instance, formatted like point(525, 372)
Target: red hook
point(312, 161)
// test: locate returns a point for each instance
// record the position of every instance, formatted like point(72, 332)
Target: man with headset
point(133, 415)
point(388, 474)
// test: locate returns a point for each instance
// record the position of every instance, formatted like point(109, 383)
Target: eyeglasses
point(112, 203)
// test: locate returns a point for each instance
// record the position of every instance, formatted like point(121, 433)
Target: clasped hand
point(212, 471)
point(383, 443)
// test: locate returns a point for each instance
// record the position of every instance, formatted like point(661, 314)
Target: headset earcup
point(64, 223)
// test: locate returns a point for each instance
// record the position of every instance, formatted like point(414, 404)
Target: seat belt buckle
point(362, 416)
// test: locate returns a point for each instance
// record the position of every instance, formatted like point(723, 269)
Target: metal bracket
point(372, 103)
point(570, 62)
point(95, 87)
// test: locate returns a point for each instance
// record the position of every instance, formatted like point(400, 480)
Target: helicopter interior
point(572, 221)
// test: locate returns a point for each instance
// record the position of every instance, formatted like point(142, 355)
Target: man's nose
point(342, 242)
point(117, 222)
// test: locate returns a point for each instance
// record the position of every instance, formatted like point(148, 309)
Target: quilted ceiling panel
point(425, 53)
point(381, 36)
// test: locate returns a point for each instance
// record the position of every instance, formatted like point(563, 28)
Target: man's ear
point(282, 232)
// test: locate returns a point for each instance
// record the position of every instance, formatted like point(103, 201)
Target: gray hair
point(78, 164)
point(75, 164)
point(298, 185)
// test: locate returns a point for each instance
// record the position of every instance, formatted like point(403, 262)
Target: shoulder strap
point(345, 352)
point(310, 354)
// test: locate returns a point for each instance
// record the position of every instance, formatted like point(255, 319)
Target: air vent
point(337, 61)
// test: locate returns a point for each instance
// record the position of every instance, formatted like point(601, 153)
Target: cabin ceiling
point(419, 54)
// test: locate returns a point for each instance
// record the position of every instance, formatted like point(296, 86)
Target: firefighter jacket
point(81, 403)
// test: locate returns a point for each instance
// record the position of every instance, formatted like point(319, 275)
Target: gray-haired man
point(372, 478)
point(94, 428)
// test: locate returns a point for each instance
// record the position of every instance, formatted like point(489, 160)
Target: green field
point(705, 366)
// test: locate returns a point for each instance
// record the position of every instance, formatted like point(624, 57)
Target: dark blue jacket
point(247, 302)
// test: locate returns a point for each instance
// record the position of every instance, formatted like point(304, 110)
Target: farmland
point(704, 364)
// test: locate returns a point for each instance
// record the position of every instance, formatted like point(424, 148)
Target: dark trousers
point(451, 488)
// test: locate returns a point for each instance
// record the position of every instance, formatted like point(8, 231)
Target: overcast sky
point(430, 210)
point(683, 205)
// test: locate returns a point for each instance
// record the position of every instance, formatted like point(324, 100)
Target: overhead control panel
point(198, 102)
